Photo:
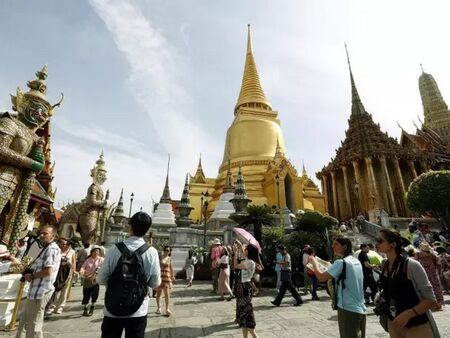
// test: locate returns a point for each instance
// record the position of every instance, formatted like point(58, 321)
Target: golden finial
point(251, 91)
point(421, 67)
point(249, 40)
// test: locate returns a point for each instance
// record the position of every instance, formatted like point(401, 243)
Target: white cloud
point(156, 81)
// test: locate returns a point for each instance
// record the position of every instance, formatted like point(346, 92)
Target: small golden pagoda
point(372, 171)
point(255, 141)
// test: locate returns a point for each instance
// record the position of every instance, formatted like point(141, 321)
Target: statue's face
point(99, 177)
point(35, 113)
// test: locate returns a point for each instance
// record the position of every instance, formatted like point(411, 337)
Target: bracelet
point(414, 310)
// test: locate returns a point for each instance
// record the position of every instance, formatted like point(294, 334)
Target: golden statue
point(21, 155)
point(93, 206)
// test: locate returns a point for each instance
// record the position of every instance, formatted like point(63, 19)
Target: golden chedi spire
point(251, 93)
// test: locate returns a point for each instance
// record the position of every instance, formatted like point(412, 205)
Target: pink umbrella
point(247, 237)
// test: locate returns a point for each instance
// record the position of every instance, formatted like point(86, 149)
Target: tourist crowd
point(400, 278)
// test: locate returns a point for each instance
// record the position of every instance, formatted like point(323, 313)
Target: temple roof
point(428, 141)
point(199, 176)
point(364, 137)
point(251, 91)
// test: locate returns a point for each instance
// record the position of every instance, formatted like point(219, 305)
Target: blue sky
point(145, 78)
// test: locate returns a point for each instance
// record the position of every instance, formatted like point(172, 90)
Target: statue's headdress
point(99, 165)
point(37, 92)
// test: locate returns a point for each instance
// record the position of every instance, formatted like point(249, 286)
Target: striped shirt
point(50, 257)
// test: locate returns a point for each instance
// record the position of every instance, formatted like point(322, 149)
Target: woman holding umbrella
point(243, 288)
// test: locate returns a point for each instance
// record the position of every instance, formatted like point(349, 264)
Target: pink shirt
point(216, 253)
point(90, 265)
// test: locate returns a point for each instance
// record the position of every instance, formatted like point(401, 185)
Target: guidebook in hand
point(321, 264)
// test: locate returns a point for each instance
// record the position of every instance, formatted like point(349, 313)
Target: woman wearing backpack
point(167, 277)
point(91, 288)
point(347, 271)
point(406, 290)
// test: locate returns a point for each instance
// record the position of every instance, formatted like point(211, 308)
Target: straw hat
point(424, 246)
point(217, 241)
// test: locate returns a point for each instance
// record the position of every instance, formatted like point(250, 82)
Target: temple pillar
point(325, 191)
point(335, 198)
point(373, 192)
point(389, 185)
point(398, 173)
point(423, 165)
point(412, 169)
point(347, 191)
point(358, 205)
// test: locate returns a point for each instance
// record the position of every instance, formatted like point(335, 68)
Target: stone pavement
point(198, 313)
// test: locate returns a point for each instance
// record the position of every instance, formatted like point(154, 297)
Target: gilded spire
point(304, 173)
point(165, 198)
point(251, 91)
point(357, 106)
point(278, 150)
point(229, 179)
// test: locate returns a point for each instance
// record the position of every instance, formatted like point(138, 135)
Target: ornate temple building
point(255, 140)
point(435, 110)
point(372, 171)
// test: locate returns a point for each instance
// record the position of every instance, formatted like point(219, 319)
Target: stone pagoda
point(224, 207)
point(435, 110)
point(371, 171)
point(163, 217)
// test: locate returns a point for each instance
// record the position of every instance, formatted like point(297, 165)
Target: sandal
point(158, 311)
point(230, 298)
point(168, 313)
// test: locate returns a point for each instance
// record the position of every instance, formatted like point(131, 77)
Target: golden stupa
point(255, 141)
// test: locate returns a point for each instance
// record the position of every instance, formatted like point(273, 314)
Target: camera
point(26, 271)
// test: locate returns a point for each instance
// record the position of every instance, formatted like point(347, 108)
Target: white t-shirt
point(224, 260)
point(247, 274)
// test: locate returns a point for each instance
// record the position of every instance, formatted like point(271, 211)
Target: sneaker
point(274, 303)
point(315, 298)
point(59, 310)
point(85, 311)
point(298, 303)
point(91, 310)
point(158, 311)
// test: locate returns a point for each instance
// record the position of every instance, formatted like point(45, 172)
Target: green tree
point(319, 225)
point(430, 193)
point(258, 216)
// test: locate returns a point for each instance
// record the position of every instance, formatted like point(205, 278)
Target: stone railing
point(370, 229)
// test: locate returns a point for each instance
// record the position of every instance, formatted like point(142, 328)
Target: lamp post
point(131, 204)
point(205, 202)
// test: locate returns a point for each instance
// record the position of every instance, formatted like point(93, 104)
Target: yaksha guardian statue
point(93, 207)
point(21, 155)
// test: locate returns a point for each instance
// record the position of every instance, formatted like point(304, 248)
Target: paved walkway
point(198, 313)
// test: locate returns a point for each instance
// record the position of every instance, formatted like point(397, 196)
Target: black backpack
point(127, 285)
point(336, 282)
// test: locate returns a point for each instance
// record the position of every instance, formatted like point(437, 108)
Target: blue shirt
point(278, 258)
point(151, 266)
point(352, 297)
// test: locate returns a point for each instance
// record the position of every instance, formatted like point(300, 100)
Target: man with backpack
point(129, 269)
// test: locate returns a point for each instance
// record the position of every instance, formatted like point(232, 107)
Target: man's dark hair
point(252, 252)
point(310, 251)
point(102, 243)
point(86, 245)
point(281, 247)
point(140, 222)
point(364, 245)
